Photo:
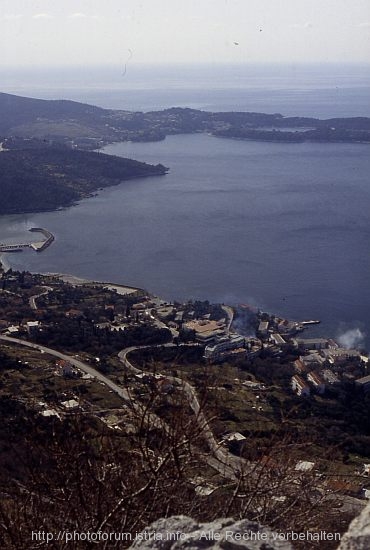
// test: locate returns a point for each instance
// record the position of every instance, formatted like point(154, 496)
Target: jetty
point(38, 246)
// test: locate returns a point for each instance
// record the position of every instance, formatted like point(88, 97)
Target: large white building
point(311, 343)
point(219, 349)
point(205, 331)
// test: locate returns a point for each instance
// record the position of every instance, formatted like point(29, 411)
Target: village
point(100, 321)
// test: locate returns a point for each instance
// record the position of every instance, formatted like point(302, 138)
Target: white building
point(330, 377)
point(222, 346)
point(32, 326)
point(340, 355)
point(304, 466)
point(311, 343)
point(277, 339)
point(299, 386)
point(317, 382)
point(312, 360)
point(263, 328)
point(205, 331)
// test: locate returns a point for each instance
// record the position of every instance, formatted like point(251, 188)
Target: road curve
point(32, 300)
point(224, 462)
point(75, 362)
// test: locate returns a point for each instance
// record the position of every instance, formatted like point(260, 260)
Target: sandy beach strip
point(76, 281)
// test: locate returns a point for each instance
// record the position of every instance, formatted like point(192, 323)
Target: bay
point(282, 226)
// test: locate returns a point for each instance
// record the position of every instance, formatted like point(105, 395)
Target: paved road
point(223, 461)
point(32, 300)
point(152, 419)
point(76, 362)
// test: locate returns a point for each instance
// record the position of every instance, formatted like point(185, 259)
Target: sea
point(284, 227)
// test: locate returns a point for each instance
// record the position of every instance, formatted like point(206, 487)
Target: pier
point(14, 247)
point(41, 245)
point(38, 246)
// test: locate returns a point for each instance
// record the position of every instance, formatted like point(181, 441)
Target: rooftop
point(203, 325)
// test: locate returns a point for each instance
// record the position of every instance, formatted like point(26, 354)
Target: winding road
point(75, 362)
point(224, 462)
point(227, 465)
point(221, 460)
point(32, 300)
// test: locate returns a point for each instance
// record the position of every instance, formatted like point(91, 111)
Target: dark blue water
point(284, 226)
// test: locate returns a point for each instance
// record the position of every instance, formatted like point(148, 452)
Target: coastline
point(77, 281)
point(84, 195)
point(126, 289)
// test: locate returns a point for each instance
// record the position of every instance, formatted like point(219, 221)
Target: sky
point(111, 32)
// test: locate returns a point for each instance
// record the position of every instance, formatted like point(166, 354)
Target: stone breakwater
point(38, 246)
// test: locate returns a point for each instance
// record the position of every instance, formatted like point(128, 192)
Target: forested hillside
point(33, 180)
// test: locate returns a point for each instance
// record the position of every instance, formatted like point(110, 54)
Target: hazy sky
point(75, 32)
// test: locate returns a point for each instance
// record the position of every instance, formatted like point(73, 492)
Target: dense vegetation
point(46, 178)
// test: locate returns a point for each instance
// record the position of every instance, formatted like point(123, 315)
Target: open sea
point(285, 227)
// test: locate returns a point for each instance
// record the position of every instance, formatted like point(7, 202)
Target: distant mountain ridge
point(16, 110)
point(46, 158)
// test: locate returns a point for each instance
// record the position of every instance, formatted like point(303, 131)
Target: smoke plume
point(352, 339)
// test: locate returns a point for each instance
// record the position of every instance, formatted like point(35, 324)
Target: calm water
point(284, 226)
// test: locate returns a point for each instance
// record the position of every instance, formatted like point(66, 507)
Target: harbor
point(38, 246)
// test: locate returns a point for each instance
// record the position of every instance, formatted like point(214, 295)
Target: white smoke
point(352, 339)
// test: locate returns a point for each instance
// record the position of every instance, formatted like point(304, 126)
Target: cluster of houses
point(29, 327)
point(158, 382)
point(322, 364)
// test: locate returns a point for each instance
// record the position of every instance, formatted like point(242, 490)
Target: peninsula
point(90, 127)
point(49, 177)
point(48, 155)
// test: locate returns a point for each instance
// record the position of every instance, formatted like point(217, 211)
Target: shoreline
point(127, 289)
point(37, 246)
point(87, 195)
point(75, 280)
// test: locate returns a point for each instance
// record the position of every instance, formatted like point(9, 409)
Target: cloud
point(11, 16)
point(364, 25)
point(301, 26)
point(79, 15)
point(42, 16)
